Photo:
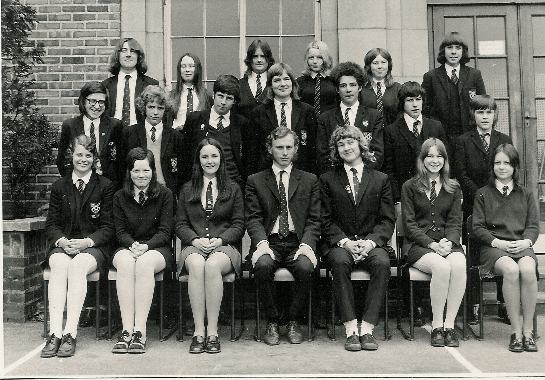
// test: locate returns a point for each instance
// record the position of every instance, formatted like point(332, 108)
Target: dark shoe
point(502, 314)
point(197, 345)
point(137, 346)
point(122, 345)
point(419, 320)
point(51, 347)
point(368, 342)
point(529, 344)
point(272, 337)
point(473, 315)
point(515, 344)
point(295, 335)
point(68, 346)
point(212, 345)
point(352, 343)
point(451, 339)
point(437, 337)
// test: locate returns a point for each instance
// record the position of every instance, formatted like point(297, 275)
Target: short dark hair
point(90, 88)
point(152, 93)
point(278, 133)
point(409, 89)
point(348, 69)
point(137, 154)
point(228, 84)
point(483, 102)
point(115, 65)
point(511, 152)
point(453, 38)
point(370, 57)
point(265, 48)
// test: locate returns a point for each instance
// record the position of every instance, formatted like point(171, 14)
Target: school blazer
point(368, 98)
point(196, 128)
point(303, 123)
point(262, 201)
point(368, 120)
point(419, 216)
point(96, 218)
point(371, 217)
point(437, 100)
point(142, 81)
point(226, 221)
point(171, 152)
point(110, 146)
point(472, 163)
point(247, 100)
point(401, 149)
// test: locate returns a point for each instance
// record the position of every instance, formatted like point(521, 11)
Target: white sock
point(448, 324)
point(366, 328)
point(436, 325)
point(351, 327)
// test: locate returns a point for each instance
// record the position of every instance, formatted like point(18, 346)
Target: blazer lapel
point(443, 79)
point(235, 136)
point(139, 85)
point(141, 133)
point(295, 115)
point(476, 140)
point(270, 180)
point(205, 120)
point(165, 142)
point(407, 135)
point(79, 126)
point(363, 184)
point(359, 117)
point(89, 189)
point(464, 75)
point(343, 181)
point(271, 114)
point(113, 90)
point(339, 118)
point(104, 132)
point(294, 182)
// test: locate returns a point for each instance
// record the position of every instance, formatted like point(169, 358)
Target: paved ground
point(248, 358)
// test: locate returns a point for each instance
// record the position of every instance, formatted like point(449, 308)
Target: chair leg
point(481, 312)
point(46, 308)
point(464, 317)
point(97, 311)
point(180, 336)
point(258, 315)
point(332, 336)
point(411, 306)
point(109, 309)
point(310, 338)
point(233, 338)
point(386, 327)
point(161, 310)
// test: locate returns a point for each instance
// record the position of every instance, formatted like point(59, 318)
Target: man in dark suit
point(127, 66)
point(357, 222)
point(104, 130)
point(230, 129)
point(349, 79)
point(449, 87)
point(283, 221)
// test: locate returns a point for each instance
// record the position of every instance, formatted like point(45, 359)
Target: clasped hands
point(359, 249)
point(443, 247)
point(514, 246)
point(264, 249)
point(73, 246)
point(207, 245)
point(138, 249)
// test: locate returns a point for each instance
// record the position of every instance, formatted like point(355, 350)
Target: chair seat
point(91, 277)
point(112, 275)
point(417, 275)
point(363, 275)
point(229, 277)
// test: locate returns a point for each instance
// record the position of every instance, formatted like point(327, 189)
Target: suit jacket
point(226, 221)
point(436, 104)
point(142, 81)
point(368, 120)
point(419, 216)
point(247, 101)
point(196, 128)
point(303, 123)
point(472, 163)
point(401, 148)
point(371, 217)
point(171, 152)
point(263, 206)
point(328, 92)
point(389, 101)
point(110, 146)
point(95, 211)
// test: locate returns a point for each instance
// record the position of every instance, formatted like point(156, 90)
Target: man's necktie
point(126, 110)
point(505, 188)
point(415, 129)
point(346, 119)
point(283, 121)
point(317, 96)
point(454, 77)
point(189, 100)
point(486, 146)
point(433, 194)
point(81, 186)
point(153, 138)
point(356, 183)
point(283, 227)
point(220, 123)
point(380, 105)
point(141, 197)
point(258, 90)
point(209, 200)
point(92, 135)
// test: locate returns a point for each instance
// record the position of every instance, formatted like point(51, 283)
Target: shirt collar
point(253, 75)
point(410, 121)
point(276, 169)
point(185, 87)
point(353, 107)
point(437, 181)
point(500, 185)
point(87, 121)
point(358, 167)
point(85, 178)
point(158, 127)
point(205, 182)
point(374, 84)
point(133, 74)
point(313, 74)
point(483, 133)
point(215, 116)
point(449, 69)
point(278, 103)
point(137, 191)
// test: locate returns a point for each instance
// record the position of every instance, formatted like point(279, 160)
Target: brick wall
point(78, 36)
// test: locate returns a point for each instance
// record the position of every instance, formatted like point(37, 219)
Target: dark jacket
point(328, 92)
point(247, 101)
point(368, 98)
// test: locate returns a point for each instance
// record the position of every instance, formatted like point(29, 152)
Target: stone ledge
point(27, 224)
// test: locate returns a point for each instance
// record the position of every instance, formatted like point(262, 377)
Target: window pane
point(503, 116)
point(494, 73)
point(293, 52)
point(464, 26)
point(262, 17)
point(222, 18)
point(298, 17)
point(540, 113)
point(539, 72)
point(272, 41)
point(222, 57)
point(491, 35)
point(180, 46)
point(187, 18)
point(538, 27)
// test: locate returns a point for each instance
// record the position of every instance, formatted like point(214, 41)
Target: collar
point(276, 169)
point(87, 121)
point(278, 104)
point(121, 76)
point(481, 133)
point(215, 116)
point(353, 107)
point(410, 121)
point(437, 181)
point(158, 127)
point(449, 69)
point(500, 185)
point(358, 167)
point(313, 74)
point(205, 182)
point(185, 87)
point(253, 75)
point(85, 178)
point(374, 83)
point(137, 191)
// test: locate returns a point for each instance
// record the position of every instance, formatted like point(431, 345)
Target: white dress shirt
point(252, 81)
point(410, 122)
point(182, 111)
point(158, 129)
point(215, 118)
point(287, 111)
point(137, 193)
point(375, 86)
point(500, 186)
point(119, 97)
point(87, 129)
point(352, 113)
point(214, 191)
point(286, 181)
point(449, 68)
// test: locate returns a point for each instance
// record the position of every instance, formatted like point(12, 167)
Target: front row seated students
point(219, 123)
point(164, 142)
point(143, 224)
point(506, 226)
point(283, 221)
point(357, 222)
point(282, 108)
point(210, 224)
point(349, 79)
point(80, 225)
point(432, 221)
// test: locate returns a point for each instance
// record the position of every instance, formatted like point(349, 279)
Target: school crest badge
point(202, 127)
point(174, 164)
point(304, 137)
point(367, 137)
point(472, 93)
point(365, 123)
point(113, 150)
point(95, 210)
point(348, 189)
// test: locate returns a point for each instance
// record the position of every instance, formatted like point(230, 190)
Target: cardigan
point(328, 92)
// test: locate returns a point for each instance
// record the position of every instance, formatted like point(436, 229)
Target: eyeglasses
point(94, 102)
point(126, 50)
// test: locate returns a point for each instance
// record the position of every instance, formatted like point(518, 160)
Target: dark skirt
point(165, 251)
point(489, 256)
point(417, 251)
point(99, 253)
point(230, 251)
